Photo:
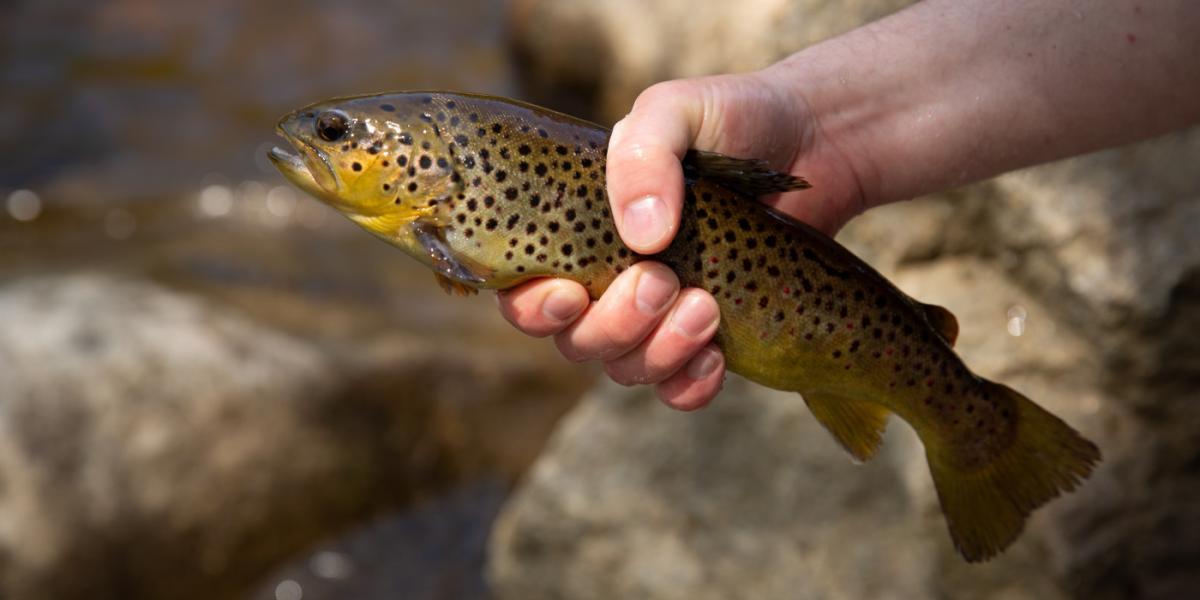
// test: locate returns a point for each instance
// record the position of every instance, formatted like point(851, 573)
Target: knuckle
point(662, 92)
point(568, 349)
point(619, 374)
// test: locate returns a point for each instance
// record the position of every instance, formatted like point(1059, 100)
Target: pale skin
point(941, 94)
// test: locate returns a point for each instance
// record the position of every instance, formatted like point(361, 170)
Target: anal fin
point(858, 426)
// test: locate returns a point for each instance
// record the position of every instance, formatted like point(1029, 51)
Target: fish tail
point(986, 506)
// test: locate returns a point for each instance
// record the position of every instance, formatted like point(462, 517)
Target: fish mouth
point(308, 167)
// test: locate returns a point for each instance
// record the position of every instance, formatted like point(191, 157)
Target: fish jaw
point(309, 168)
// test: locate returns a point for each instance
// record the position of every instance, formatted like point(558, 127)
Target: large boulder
point(592, 58)
point(155, 444)
point(1076, 282)
point(752, 498)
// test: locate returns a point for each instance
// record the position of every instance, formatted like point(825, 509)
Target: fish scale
point(490, 193)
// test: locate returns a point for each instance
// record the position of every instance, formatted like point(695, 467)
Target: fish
point(490, 192)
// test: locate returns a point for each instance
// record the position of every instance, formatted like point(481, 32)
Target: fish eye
point(332, 125)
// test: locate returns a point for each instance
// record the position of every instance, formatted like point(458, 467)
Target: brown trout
point(490, 193)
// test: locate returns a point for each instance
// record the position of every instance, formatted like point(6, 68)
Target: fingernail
point(703, 364)
point(561, 306)
point(644, 222)
point(653, 292)
point(694, 317)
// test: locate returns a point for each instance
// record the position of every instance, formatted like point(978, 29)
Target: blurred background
point(213, 387)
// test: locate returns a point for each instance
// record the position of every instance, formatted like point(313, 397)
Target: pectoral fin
point(858, 426)
point(453, 273)
point(750, 177)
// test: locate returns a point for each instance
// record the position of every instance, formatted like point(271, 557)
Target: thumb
point(644, 176)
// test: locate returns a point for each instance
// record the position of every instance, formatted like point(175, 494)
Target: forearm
point(949, 92)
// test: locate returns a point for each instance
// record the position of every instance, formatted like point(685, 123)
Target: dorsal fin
point(943, 321)
point(747, 176)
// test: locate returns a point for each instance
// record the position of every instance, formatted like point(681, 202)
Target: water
point(132, 134)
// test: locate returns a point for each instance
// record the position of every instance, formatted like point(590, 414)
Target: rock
point(592, 58)
point(157, 445)
point(1094, 261)
point(752, 498)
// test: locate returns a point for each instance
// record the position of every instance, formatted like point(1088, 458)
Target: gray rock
point(752, 498)
point(157, 445)
point(1097, 257)
point(592, 58)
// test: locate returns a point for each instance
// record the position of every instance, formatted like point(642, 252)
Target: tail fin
point(986, 507)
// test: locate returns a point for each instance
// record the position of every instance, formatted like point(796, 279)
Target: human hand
point(644, 328)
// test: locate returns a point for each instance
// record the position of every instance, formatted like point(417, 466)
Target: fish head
point(378, 159)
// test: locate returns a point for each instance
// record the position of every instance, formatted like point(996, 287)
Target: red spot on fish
point(929, 382)
point(787, 290)
point(714, 260)
point(847, 367)
point(849, 325)
point(1132, 38)
point(888, 351)
point(738, 301)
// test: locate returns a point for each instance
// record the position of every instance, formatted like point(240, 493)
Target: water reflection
point(24, 205)
point(133, 134)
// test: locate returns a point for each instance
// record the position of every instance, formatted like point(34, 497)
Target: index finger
point(645, 179)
